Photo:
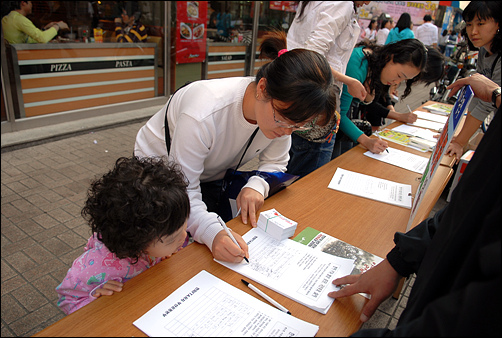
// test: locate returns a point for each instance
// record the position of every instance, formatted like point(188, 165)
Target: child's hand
point(108, 289)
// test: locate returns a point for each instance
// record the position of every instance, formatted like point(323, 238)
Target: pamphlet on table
point(206, 306)
point(416, 132)
point(439, 108)
point(371, 187)
point(402, 159)
point(431, 116)
point(427, 124)
point(318, 240)
point(292, 269)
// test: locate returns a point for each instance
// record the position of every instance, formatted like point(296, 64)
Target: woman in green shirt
point(377, 66)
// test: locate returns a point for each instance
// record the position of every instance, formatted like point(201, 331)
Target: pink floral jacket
point(92, 269)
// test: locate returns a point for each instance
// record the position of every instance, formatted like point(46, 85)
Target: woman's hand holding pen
point(224, 249)
point(375, 145)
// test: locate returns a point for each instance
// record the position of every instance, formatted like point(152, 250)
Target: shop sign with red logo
point(191, 20)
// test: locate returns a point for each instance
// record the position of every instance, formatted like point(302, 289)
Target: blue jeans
point(306, 156)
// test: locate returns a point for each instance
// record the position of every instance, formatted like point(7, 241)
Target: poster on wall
point(287, 6)
point(417, 10)
point(191, 20)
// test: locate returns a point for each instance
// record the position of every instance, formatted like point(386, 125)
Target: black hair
point(484, 10)
point(137, 202)
point(429, 61)
point(384, 22)
point(371, 23)
point(132, 9)
point(300, 77)
point(8, 6)
point(427, 17)
point(404, 22)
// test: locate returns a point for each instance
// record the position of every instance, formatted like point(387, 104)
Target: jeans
point(306, 156)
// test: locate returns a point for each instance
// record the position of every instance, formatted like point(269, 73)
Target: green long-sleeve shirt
point(19, 29)
point(357, 68)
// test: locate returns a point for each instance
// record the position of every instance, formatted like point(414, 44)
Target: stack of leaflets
point(439, 108)
point(276, 225)
point(421, 143)
point(394, 136)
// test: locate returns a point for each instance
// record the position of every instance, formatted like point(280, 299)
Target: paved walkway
point(43, 190)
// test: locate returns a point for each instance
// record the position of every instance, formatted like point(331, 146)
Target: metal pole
point(167, 50)
point(256, 21)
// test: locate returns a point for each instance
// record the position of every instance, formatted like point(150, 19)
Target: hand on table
point(108, 288)
point(249, 202)
point(455, 149)
point(380, 282)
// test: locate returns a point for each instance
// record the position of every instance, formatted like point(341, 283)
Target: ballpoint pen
point(227, 230)
point(409, 108)
point(264, 295)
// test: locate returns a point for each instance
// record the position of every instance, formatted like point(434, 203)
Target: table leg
point(398, 289)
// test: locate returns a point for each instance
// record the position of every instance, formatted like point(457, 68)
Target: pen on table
point(387, 150)
point(261, 293)
point(227, 230)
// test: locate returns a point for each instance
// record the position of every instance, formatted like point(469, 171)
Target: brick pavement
point(43, 190)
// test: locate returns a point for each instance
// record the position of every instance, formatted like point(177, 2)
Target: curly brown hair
point(137, 202)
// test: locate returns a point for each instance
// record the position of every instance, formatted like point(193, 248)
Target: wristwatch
point(495, 94)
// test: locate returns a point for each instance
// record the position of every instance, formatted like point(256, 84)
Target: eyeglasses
point(283, 124)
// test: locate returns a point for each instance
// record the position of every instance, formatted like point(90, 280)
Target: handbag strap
point(247, 146)
point(166, 129)
point(166, 125)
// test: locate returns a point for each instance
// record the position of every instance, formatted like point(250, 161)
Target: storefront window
point(86, 67)
point(273, 15)
point(91, 63)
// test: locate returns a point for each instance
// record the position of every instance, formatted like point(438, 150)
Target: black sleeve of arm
point(410, 248)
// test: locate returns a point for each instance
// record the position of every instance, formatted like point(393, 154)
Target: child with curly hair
point(138, 216)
